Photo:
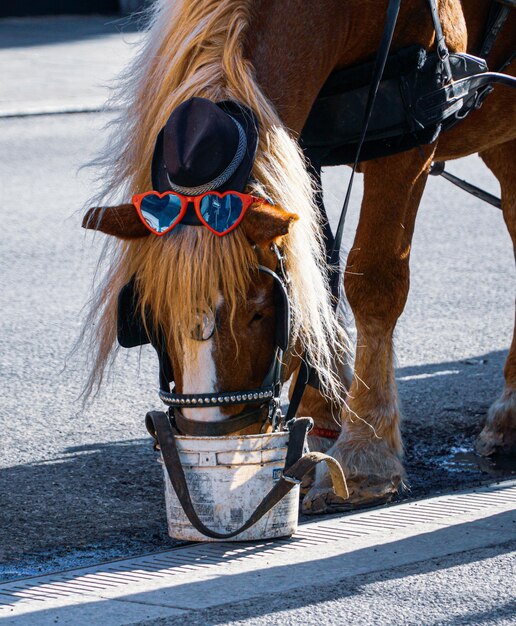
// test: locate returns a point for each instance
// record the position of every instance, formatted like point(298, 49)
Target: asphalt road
point(79, 484)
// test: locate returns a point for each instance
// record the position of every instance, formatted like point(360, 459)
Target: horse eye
point(256, 317)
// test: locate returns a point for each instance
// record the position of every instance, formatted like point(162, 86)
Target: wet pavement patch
point(444, 414)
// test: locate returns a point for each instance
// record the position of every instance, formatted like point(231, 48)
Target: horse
point(274, 57)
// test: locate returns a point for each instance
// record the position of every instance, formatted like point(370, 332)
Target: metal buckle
point(281, 264)
point(481, 95)
point(476, 102)
point(444, 56)
point(275, 415)
point(442, 50)
point(289, 479)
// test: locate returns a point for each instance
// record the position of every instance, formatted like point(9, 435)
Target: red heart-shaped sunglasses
point(219, 212)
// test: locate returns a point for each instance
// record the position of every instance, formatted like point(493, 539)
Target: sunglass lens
point(221, 213)
point(160, 213)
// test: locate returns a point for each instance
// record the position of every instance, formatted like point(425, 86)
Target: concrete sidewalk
point(418, 563)
point(62, 64)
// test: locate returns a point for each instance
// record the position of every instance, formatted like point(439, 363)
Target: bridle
point(299, 461)
point(264, 400)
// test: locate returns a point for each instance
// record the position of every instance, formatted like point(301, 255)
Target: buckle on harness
point(442, 50)
point(443, 54)
point(275, 415)
point(289, 479)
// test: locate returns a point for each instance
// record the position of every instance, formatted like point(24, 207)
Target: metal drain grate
point(198, 557)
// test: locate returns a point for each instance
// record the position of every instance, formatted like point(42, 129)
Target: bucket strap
point(296, 466)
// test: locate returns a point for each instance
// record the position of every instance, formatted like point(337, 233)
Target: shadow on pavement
point(444, 406)
point(42, 31)
point(93, 496)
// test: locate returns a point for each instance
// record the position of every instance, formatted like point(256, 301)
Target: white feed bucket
point(227, 477)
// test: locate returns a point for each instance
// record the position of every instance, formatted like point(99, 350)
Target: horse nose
point(204, 326)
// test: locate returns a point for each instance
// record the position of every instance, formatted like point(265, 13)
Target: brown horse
point(274, 57)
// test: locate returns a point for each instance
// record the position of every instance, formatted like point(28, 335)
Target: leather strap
point(437, 169)
point(381, 58)
point(302, 380)
point(497, 18)
point(440, 42)
point(196, 428)
point(292, 475)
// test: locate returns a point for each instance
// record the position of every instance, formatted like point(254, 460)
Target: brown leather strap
point(291, 476)
point(309, 460)
point(232, 424)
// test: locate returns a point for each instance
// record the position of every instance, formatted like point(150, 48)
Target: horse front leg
point(377, 283)
point(499, 433)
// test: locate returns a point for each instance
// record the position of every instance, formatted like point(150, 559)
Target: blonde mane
point(196, 49)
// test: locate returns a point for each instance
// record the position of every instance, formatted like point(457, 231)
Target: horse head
point(218, 311)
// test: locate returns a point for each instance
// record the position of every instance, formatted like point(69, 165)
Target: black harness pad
point(130, 326)
point(404, 114)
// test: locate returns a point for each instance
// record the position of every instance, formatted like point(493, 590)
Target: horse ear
point(264, 223)
point(120, 221)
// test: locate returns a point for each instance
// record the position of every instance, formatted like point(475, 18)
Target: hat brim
point(239, 179)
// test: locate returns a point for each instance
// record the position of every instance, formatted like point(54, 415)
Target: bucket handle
point(297, 465)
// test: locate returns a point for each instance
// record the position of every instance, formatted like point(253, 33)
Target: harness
point(420, 94)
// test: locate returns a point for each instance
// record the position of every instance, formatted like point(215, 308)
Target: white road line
point(429, 375)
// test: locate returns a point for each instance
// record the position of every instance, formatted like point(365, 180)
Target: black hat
point(205, 146)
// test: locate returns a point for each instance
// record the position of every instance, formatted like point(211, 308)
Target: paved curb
point(201, 576)
point(8, 113)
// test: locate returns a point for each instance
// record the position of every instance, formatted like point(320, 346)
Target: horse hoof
point(373, 471)
point(492, 442)
point(364, 492)
point(322, 500)
point(498, 436)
